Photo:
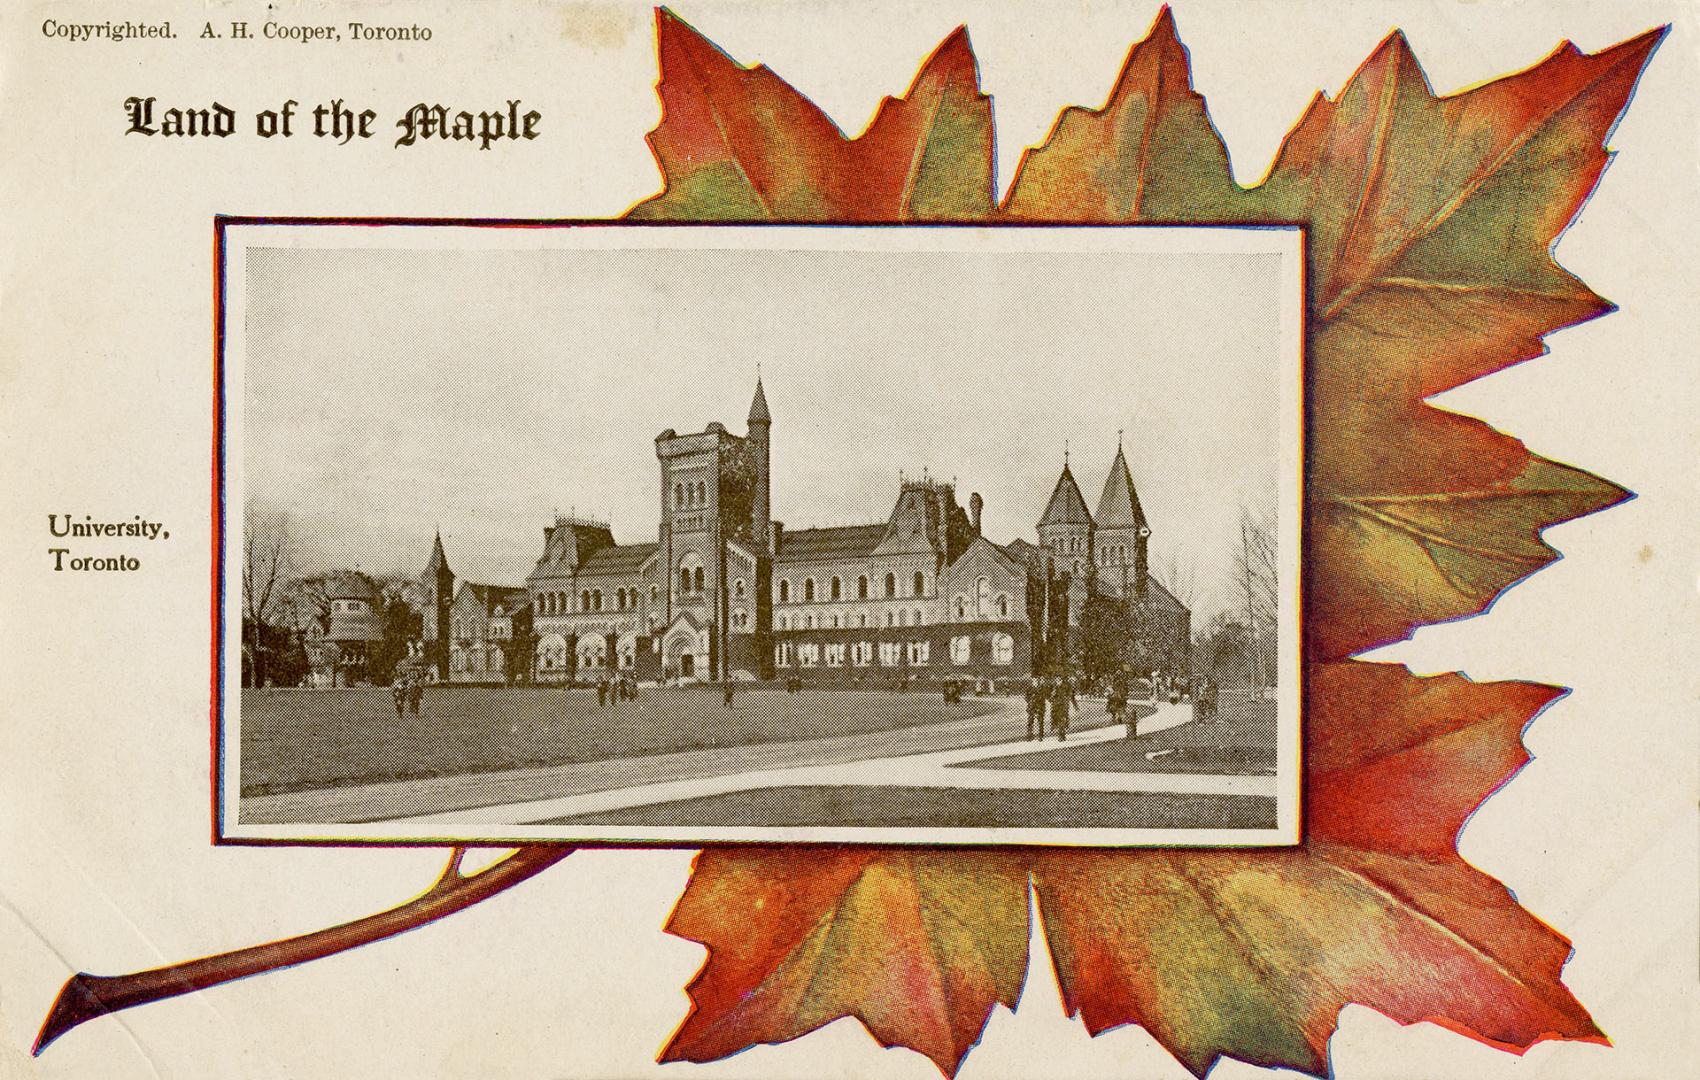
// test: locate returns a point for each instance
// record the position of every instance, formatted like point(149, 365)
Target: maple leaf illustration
point(1430, 226)
point(1430, 223)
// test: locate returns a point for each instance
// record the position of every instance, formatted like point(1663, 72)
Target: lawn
point(921, 807)
point(296, 740)
point(1240, 742)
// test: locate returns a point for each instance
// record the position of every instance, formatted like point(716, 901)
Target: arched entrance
point(680, 655)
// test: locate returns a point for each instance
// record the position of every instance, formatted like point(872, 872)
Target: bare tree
point(265, 577)
point(1257, 573)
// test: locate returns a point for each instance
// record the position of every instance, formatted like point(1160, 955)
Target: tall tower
point(761, 508)
point(439, 586)
point(1123, 533)
point(1065, 532)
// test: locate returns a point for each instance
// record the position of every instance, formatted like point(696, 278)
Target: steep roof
point(1022, 552)
point(1066, 507)
point(1001, 556)
point(493, 596)
point(913, 526)
point(1118, 507)
point(1162, 597)
point(438, 559)
point(1159, 595)
point(617, 560)
point(838, 542)
point(758, 407)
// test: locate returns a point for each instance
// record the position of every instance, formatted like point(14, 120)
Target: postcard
point(858, 539)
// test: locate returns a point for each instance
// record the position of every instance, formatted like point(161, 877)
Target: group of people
point(1056, 692)
point(615, 688)
point(408, 689)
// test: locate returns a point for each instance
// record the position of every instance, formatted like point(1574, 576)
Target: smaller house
point(340, 657)
point(482, 634)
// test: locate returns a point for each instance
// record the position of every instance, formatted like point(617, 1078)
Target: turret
point(761, 508)
point(975, 506)
point(1123, 534)
point(1065, 531)
point(439, 583)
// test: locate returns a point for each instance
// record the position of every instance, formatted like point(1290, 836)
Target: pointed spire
point(758, 407)
point(1067, 506)
point(1118, 506)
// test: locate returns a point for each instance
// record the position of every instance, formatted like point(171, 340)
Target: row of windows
point(835, 588)
point(463, 630)
point(560, 603)
point(834, 620)
point(688, 496)
point(981, 606)
point(592, 653)
point(891, 653)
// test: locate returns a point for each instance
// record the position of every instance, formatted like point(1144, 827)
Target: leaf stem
point(85, 997)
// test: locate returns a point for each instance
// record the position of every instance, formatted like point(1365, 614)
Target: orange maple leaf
point(1430, 224)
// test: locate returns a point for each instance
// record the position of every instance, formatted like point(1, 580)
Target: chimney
point(975, 506)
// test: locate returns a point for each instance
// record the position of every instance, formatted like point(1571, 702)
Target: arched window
point(982, 597)
point(690, 572)
point(808, 622)
point(890, 586)
point(738, 588)
point(918, 618)
point(678, 496)
point(784, 590)
point(702, 493)
point(862, 587)
point(920, 583)
point(837, 588)
point(1003, 649)
point(1003, 605)
point(961, 607)
point(584, 600)
point(902, 618)
point(654, 593)
point(596, 599)
point(960, 649)
point(808, 590)
point(861, 618)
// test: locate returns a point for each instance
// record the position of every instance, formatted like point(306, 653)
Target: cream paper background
point(105, 338)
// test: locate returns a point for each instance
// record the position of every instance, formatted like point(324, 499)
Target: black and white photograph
point(619, 534)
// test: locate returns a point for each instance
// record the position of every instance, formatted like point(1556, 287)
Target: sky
point(391, 393)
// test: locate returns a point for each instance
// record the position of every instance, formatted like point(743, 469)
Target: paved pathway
point(933, 769)
point(920, 756)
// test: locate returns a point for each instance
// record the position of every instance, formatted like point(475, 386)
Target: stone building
point(725, 591)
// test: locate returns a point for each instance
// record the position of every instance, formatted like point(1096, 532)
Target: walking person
point(1119, 709)
point(415, 691)
point(601, 693)
point(727, 692)
point(398, 691)
point(1035, 710)
point(1062, 696)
